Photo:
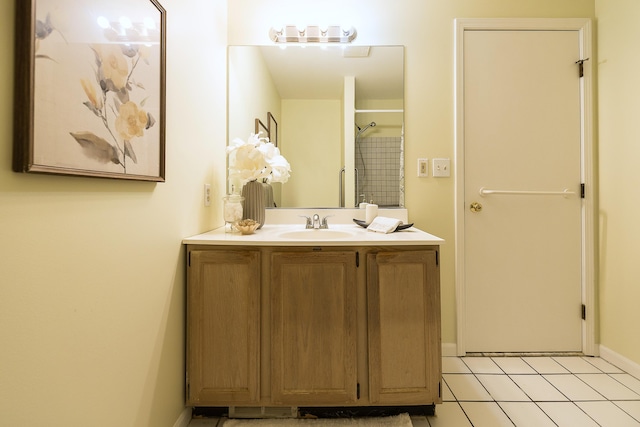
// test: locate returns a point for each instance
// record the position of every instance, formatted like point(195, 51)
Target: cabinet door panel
point(223, 327)
point(404, 327)
point(313, 309)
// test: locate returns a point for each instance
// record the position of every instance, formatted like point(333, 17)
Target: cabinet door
point(223, 327)
point(403, 292)
point(313, 328)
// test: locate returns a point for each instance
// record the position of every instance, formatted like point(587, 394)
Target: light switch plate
point(423, 167)
point(441, 167)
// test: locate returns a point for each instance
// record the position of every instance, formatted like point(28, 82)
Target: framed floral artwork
point(90, 88)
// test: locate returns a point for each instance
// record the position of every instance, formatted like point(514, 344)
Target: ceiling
point(317, 72)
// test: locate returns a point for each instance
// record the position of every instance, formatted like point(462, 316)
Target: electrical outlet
point(423, 167)
point(441, 167)
point(207, 194)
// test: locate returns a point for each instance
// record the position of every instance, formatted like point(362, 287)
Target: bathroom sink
point(316, 234)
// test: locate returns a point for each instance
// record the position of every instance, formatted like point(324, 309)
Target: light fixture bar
point(312, 34)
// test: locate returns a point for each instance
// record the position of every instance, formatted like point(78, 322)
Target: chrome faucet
point(315, 223)
point(308, 221)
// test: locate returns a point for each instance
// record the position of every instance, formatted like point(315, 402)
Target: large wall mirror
point(336, 114)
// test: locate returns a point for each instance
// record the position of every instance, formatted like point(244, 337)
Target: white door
point(522, 185)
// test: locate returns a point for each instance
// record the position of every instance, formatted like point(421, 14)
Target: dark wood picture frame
point(90, 88)
point(260, 127)
point(273, 131)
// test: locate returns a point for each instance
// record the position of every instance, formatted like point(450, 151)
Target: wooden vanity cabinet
point(403, 295)
point(311, 326)
point(223, 327)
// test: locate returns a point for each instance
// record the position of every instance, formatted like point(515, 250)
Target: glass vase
point(232, 211)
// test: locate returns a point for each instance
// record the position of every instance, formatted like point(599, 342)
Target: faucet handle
point(325, 223)
point(308, 224)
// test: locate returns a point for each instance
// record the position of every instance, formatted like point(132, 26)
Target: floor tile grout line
point(623, 410)
point(535, 370)
point(623, 384)
point(507, 415)
point(596, 391)
point(459, 402)
point(568, 398)
point(548, 416)
point(586, 359)
point(621, 371)
point(542, 376)
point(572, 403)
point(549, 382)
point(488, 392)
point(619, 382)
point(490, 358)
point(538, 403)
point(478, 379)
point(465, 413)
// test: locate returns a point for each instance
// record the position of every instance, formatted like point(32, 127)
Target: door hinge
point(357, 259)
point(582, 191)
point(437, 257)
point(440, 389)
point(584, 312)
point(189, 259)
point(580, 63)
point(358, 391)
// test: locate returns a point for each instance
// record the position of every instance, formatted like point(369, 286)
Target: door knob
point(475, 207)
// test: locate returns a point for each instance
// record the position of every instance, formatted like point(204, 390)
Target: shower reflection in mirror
point(378, 160)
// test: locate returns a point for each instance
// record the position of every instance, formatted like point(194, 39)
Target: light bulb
point(103, 22)
point(125, 22)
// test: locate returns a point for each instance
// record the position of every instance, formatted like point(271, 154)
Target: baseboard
point(616, 359)
point(449, 349)
point(184, 419)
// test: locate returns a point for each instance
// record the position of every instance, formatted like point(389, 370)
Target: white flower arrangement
point(256, 159)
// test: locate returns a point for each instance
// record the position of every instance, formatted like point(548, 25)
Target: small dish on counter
point(247, 226)
point(363, 224)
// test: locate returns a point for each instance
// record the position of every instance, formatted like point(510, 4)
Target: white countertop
point(350, 235)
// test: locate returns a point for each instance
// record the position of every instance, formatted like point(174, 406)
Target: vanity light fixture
point(312, 34)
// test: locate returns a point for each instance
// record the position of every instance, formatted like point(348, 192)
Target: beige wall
point(425, 28)
point(92, 276)
point(619, 151)
point(312, 143)
point(253, 93)
point(91, 271)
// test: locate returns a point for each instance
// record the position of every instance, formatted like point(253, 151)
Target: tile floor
point(535, 391)
point(567, 391)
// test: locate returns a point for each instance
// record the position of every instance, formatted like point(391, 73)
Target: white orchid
point(256, 159)
point(280, 169)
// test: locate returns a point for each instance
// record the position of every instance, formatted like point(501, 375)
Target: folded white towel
point(382, 224)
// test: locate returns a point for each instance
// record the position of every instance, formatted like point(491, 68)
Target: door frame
point(588, 288)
